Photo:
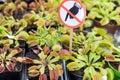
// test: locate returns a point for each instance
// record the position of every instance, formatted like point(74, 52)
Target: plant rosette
point(90, 53)
point(43, 36)
point(45, 64)
point(8, 59)
point(91, 68)
point(14, 30)
point(103, 15)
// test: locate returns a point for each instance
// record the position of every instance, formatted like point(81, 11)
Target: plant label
point(71, 13)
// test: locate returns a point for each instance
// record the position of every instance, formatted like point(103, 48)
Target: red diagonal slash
point(71, 14)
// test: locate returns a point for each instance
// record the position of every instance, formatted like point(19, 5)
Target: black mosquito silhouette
point(74, 10)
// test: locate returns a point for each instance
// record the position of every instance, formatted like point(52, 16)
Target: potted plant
point(10, 67)
point(43, 36)
point(15, 9)
point(14, 30)
point(88, 56)
point(103, 15)
point(21, 8)
point(45, 65)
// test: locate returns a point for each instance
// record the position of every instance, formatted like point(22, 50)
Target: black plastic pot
point(11, 76)
point(74, 76)
point(111, 27)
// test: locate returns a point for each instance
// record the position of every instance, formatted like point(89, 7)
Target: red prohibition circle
point(76, 26)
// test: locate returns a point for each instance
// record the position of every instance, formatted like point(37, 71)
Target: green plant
point(44, 36)
point(14, 29)
point(103, 10)
point(45, 62)
point(8, 59)
point(9, 9)
point(20, 5)
point(90, 52)
point(91, 64)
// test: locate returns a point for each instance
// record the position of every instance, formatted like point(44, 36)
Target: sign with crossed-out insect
point(72, 13)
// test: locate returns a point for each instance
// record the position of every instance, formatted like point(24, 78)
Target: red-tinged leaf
point(64, 54)
point(18, 49)
point(110, 57)
point(2, 69)
point(53, 75)
point(13, 59)
point(19, 59)
point(35, 51)
point(96, 76)
point(46, 50)
point(2, 50)
point(43, 77)
point(64, 51)
point(22, 38)
point(10, 66)
point(32, 5)
point(33, 73)
point(27, 60)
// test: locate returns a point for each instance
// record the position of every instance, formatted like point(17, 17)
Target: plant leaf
point(2, 68)
point(51, 66)
point(96, 58)
point(40, 22)
point(42, 55)
point(59, 69)
point(11, 54)
point(72, 66)
point(109, 57)
point(104, 21)
point(86, 77)
point(10, 66)
point(56, 47)
point(43, 77)
point(22, 36)
point(54, 53)
point(53, 75)
point(33, 73)
point(55, 59)
point(37, 62)
point(27, 60)
point(46, 50)
point(64, 54)
point(97, 76)
point(91, 56)
point(98, 64)
point(33, 68)
point(42, 69)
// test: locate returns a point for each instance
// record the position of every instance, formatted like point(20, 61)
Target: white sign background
point(68, 5)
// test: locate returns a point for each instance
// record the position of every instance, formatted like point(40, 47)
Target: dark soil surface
point(115, 64)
